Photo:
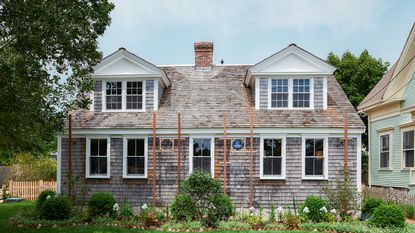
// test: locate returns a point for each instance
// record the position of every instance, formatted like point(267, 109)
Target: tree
point(47, 51)
point(357, 76)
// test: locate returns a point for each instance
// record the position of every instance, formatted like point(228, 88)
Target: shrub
point(126, 212)
point(370, 204)
point(341, 195)
point(222, 208)
point(101, 204)
point(255, 221)
point(42, 197)
point(409, 211)
point(56, 208)
point(148, 216)
point(388, 215)
point(183, 208)
point(314, 205)
point(291, 221)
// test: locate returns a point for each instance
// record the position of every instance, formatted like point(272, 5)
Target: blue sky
point(245, 32)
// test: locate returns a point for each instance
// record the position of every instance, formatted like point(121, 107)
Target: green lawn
point(10, 209)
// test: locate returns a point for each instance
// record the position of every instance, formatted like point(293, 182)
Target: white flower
point(279, 209)
point(323, 209)
point(47, 198)
point(333, 211)
point(306, 210)
point(116, 207)
point(144, 206)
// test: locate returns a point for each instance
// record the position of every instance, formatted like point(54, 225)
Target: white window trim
point(123, 96)
point(212, 153)
point(283, 160)
point(390, 134)
point(88, 153)
point(325, 155)
point(403, 167)
point(124, 158)
point(291, 93)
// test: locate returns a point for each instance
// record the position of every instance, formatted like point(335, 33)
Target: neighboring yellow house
point(390, 107)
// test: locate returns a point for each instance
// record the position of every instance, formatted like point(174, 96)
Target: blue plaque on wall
point(238, 144)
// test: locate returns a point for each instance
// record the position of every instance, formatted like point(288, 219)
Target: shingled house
point(296, 106)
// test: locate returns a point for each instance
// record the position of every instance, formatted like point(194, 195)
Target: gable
point(124, 64)
point(292, 60)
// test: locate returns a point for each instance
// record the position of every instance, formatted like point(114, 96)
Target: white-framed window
point(291, 93)
point(127, 95)
point(202, 154)
point(113, 95)
point(408, 148)
point(279, 93)
point(385, 147)
point(301, 93)
point(135, 157)
point(315, 161)
point(272, 158)
point(98, 158)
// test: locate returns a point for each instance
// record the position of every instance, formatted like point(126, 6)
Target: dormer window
point(124, 96)
point(290, 93)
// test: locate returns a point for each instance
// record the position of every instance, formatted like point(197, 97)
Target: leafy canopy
point(47, 51)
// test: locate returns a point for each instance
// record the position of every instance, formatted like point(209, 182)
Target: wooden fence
point(30, 190)
point(398, 196)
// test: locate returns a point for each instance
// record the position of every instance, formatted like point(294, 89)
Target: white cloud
point(239, 17)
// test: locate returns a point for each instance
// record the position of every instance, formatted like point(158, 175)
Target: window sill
point(314, 178)
point(120, 110)
point(407, 169)
point(134, 177)
point(385, 170)
point(97, 177)
point(272, 178)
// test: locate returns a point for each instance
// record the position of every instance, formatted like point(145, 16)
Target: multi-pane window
point(279, 95)
point(202, 154)
point(98, 157)
point(134, 95)
point(113, 98)
point(314, 157)
point(408, 148)
point(301, 93)
point(272, 161)
point(384, 151)
point(135, 158)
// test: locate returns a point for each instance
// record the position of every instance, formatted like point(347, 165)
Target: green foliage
point(272, 215)
point(388, 215)
point(222, 207)
point(291, 221)
point(201, 187)
point(126, 212)
point(56, 208)
point(255, 221)
point(341, 195)
point(42, 197)
point(313, 204)
point(27, 167)
point(47, 52)
point(202, 199)
point(148, 216)
point(409, 211)
point(101, 204)
point(183, 208)
point(370, 204)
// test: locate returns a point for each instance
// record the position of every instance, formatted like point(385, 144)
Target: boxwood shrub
point(313, 204)
point(42, 197)
point(370, 205)
point(56, 208)
point(388, 216)
point(101, 204)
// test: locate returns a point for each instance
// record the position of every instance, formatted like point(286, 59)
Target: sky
point(247, 31)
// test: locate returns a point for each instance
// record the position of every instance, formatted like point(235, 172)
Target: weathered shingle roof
point(202, 98)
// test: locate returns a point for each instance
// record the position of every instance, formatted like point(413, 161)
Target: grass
point(11, 209)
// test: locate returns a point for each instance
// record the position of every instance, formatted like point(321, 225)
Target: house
point(296, 106)
point(390, 108)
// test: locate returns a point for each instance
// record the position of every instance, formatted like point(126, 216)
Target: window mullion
point(290, 93)
point(124, 95)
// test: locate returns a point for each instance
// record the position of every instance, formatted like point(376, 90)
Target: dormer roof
point(124, 64)
point(291, 60)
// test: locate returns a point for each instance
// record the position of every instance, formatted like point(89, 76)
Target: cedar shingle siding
point(265, 192)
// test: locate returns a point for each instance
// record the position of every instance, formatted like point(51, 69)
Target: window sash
point(301, 93)
point(202, 163)
point(279, 93)
point(384, 149)
point(290, 93)
point(314, 157)
point(272, 166)
point(408, 148)
point(201, 155)
point(134, 100)
point(135, 159)
point(98, 165)
point(113, 95)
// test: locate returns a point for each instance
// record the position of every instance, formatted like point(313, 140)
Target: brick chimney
point(203, 54)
